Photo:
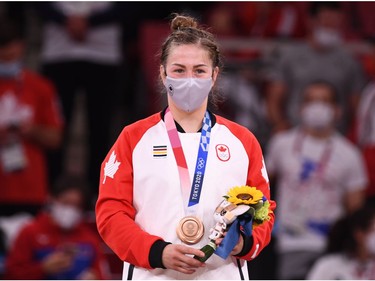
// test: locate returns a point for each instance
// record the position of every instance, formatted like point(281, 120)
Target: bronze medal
point(190, 230)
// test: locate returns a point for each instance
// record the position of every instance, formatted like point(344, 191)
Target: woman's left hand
point(237, 249)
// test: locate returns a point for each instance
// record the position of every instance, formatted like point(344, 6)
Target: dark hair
point(324, 83)
point(9, 32)
point(341, 237)
point(315, 7)
point(67, 183)
point(185, 30)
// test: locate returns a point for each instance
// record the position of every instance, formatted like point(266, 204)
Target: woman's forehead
point(188, 53)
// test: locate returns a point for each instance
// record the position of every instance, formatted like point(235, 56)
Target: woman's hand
point(237, 249)
point(180, 258)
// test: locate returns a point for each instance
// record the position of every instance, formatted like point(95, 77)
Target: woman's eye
point(178, 70)
point(200, 71)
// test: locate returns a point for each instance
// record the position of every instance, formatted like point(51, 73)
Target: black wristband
point(156, 252)
point(248, 242)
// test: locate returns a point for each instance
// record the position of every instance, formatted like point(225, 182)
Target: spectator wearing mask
point(58, 244)
point(30, 125)
point(351, 249)
point(320, 176)
point(321, 56)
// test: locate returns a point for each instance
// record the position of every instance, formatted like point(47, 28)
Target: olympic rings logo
point(200, 163)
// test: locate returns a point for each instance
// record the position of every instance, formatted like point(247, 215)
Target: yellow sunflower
point(244, 195)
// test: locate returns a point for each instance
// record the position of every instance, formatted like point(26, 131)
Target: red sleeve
point(256, 177)
point(114, 208)
point(20, 263)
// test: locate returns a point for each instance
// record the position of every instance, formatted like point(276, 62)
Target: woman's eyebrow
point(200, 65)
point(177, 64)
point(195, 66)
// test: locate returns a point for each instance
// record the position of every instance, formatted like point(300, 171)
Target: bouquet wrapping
point(242, 209)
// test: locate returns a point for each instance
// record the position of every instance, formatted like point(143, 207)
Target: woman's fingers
point(180, 258)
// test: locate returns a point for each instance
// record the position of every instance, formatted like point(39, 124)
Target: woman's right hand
point(180, 258)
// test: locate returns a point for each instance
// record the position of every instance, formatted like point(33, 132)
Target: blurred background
point(99, 59)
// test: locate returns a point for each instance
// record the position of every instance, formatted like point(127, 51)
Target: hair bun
point(180, 22)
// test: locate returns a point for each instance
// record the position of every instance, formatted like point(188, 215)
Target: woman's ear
point(215, 73)
point(163, 73)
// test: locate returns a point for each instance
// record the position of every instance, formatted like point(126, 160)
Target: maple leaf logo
point(12, 111)
point(111, 167)
point(222, 149)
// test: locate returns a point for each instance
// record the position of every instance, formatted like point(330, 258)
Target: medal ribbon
point(200, 166)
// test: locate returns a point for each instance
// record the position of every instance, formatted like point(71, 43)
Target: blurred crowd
point(299, 75)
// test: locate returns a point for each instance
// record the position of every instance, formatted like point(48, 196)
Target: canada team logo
point(222, 152)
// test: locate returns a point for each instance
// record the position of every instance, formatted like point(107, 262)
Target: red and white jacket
point(140, 203)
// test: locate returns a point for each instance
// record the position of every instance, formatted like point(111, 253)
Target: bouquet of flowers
point(243, 209)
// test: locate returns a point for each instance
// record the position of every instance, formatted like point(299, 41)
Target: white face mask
point(370, 243)
point(188, 93)
point(67, 217)
point(317, 115)
point(327, 38)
